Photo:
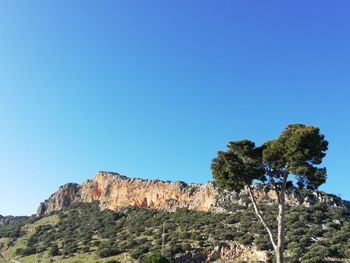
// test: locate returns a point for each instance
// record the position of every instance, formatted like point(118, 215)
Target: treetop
point(299, 151)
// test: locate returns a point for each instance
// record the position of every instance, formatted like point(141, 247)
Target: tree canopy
point(156, 258)
point(298, 151)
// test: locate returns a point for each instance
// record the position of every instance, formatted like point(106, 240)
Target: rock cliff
point(114, 191)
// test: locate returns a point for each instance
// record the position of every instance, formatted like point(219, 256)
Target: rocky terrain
point(114, 191)
point(7, 220)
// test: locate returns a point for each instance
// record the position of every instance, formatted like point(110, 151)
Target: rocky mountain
point(114, 191)
point(107, 218)
point(8, 220)
point(5, 220)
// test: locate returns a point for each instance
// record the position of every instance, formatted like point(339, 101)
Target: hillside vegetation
point(84, 233)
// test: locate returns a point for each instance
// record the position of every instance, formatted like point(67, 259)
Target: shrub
point(54, 251)
point(156, 258)
point(107, 252)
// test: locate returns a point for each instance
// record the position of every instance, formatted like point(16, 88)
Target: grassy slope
point(29, 229)
point(45, 257)
point(86, 258)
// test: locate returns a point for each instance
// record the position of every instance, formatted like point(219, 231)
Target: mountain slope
point(314, 234)
point(113, 217)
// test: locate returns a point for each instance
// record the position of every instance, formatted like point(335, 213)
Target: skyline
point(154, 90)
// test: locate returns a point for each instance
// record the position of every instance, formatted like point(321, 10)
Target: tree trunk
point(280, 231)
point(259, 215)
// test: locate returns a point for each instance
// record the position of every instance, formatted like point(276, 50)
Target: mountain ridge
point(114, 191)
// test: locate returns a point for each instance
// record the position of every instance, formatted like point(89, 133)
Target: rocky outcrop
point(114, 191)
point(66, 195)
point(224, 253)
point(8, 220)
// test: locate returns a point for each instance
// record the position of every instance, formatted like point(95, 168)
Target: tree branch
point(275, 188)
point(285, 177)
point(259, 215)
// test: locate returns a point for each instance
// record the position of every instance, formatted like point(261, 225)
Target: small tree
point(54, 251)
point(298, 151)
point(156, 258)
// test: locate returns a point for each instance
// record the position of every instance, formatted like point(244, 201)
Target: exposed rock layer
point(223, 253)
point(114, 191)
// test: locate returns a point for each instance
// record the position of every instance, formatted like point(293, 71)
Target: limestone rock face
point(66, 195)
point(226, 253)
point(114, 191)
point(118, 191)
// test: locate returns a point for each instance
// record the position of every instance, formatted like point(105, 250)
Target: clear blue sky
point(153, 89)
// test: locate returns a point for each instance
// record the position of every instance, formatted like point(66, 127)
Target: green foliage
point(298, 150)
point(156, 258)
point(238, 166)
point(26, 251)
point(318, 231)
point(54, 251)
point(107, 252)
point(13, 228)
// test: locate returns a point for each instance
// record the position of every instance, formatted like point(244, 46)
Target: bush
point(156, 258)
point(54, 251)
point(107, 252)
point(27, 251)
